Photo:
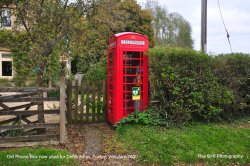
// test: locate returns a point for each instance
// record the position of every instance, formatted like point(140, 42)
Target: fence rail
point(26, 89)
point(30, 138)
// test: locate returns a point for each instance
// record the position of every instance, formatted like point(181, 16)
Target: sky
point(236, 14)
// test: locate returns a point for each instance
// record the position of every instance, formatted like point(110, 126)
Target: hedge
point(233, 71)
point(193, 86)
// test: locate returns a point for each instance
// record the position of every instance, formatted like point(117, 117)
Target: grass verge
point(36, 156)
point(197, 143)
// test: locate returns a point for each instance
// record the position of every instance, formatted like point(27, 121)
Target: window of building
point(6, 65)
point(6, 68)
point(5, 18)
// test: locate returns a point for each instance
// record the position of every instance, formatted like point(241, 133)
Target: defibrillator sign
point(136, 93)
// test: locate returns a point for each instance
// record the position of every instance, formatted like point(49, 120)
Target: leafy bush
point(186, 87)
point(97, 71)
point(233, 71)
point(149, 117)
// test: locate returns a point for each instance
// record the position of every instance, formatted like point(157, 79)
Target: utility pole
point(204, 25)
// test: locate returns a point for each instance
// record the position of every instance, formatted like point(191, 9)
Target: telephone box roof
point(128, 33)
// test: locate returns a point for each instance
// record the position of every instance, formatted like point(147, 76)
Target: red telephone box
point(127, 75)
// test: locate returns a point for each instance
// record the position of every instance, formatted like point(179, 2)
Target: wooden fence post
point(105, 100)
point(93, 103)
point(69, 101)
point(88, 91)
point(76, 93)
point(82, 102)
point(63, 134)
point(40, 107)
point(99, 93)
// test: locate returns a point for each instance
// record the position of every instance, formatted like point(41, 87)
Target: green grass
point(184, 145)
point(36, 156)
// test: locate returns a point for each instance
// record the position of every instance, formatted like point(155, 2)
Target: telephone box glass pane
point(132, 77)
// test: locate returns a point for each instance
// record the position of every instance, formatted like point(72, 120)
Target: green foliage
point(186, 87)
point(36, 156)
point(148, 117)
point(6, 37)
point(97, 71)
point(85, 61)
point(52, 67)
point(182, 146)
point(137, 19)
point(233, 71)
point(25, 62)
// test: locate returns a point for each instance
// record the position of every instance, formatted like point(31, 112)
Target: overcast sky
point(236, 15)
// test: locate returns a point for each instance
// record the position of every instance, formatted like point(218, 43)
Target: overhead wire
point(228, 36)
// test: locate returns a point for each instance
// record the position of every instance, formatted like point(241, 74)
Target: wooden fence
point(86, 102)
point(22, 117)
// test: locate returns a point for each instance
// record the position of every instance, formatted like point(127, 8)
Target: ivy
point(25, 62)
point(6, 37)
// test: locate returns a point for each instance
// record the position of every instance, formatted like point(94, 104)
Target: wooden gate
point(86, 101)
point(22, 117)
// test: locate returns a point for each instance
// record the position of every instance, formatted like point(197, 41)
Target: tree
point(49, 26)
point(110, 17)
point(138, 20)
point(170, 29)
